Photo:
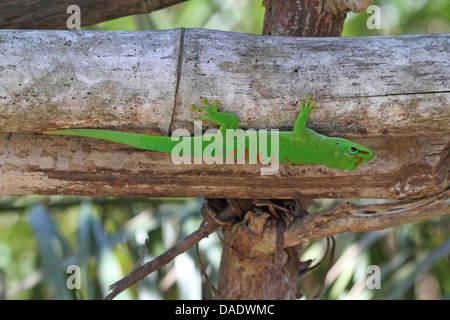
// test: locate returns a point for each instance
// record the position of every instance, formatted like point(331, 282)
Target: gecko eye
point(353, 150)
point(338, 143)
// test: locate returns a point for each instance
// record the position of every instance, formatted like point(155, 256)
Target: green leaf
point(51, 250)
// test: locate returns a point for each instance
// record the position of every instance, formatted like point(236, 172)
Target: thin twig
point(333, 250)
point(303, 266)
point(140, 272)
point(203, 272)
point(138, 263)
point(323, 258)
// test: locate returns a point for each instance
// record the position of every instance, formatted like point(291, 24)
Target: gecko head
point(348, 155)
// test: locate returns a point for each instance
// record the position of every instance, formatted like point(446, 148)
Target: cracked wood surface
point(391, 94)
point(32, 164)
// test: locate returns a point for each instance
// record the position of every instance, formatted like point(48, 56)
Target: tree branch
point(52, 14)
point(225, 217)
point(351, 217)
point(398, 109)
point(141, 272)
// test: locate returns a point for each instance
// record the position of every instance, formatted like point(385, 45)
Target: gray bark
point(391, 94)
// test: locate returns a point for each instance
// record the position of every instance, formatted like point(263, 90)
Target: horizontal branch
point(52, 14)
point(368, 86)
point(350, 217)
point(32, 164)
point(391, 94)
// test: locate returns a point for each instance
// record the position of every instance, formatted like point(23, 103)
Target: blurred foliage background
point(40, 237)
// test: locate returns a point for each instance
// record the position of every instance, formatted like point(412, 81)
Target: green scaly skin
point(302, 145)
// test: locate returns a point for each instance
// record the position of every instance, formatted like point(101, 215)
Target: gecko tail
point(127, 138)
point(72, 132)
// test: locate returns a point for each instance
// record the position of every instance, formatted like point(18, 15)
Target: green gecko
point(302, 145)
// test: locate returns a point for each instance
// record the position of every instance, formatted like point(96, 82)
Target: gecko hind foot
point(308, 106)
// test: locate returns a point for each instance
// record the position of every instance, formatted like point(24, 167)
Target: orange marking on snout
point(360, 159)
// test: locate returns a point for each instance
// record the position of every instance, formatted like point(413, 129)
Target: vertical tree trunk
point(303, 18)
point(274, 276)
point(246, 275)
